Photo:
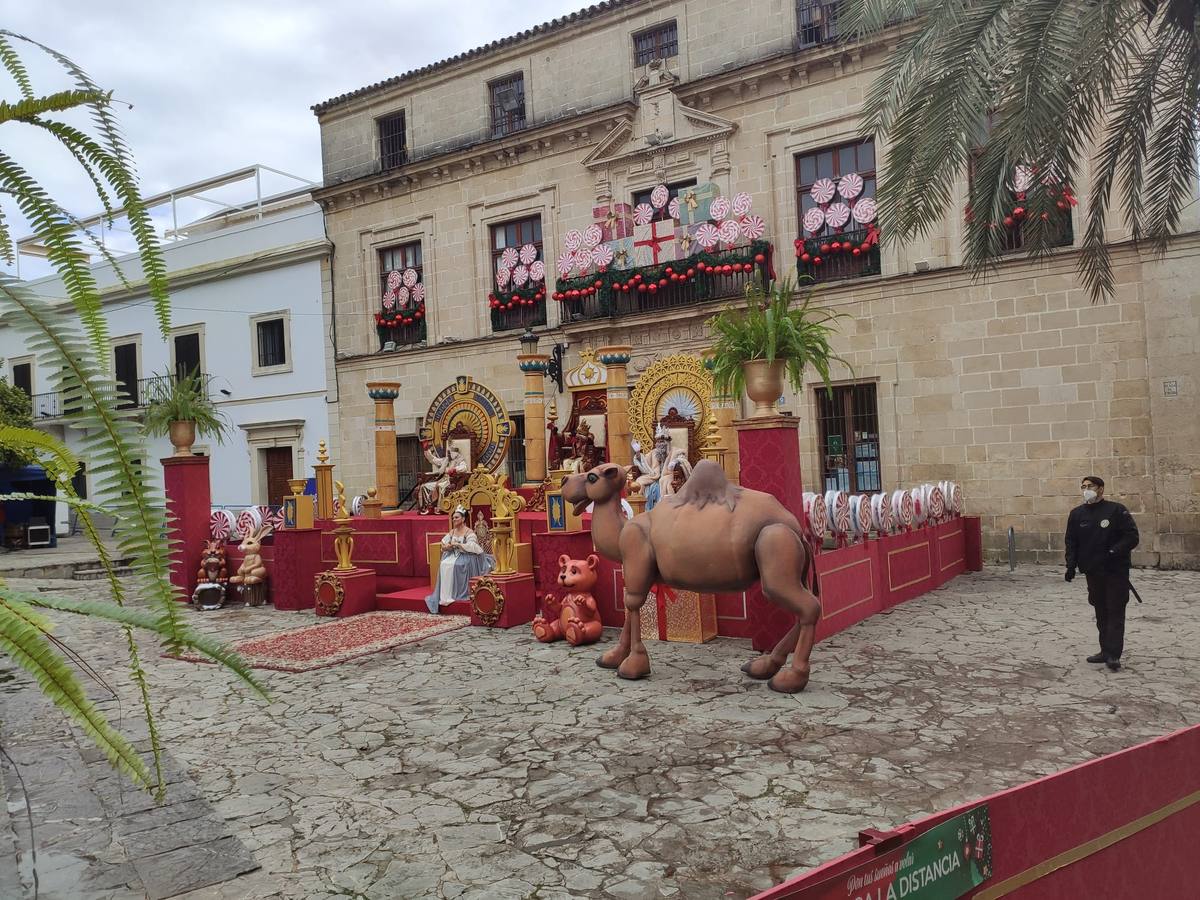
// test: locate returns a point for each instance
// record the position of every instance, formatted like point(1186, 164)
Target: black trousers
point(1108, 592)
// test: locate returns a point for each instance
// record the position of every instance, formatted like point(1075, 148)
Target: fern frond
point(23, 636)
point(28, 107)
point(15, 67)
point(55, 456)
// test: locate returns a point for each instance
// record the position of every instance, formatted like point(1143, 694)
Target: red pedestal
point(357, 592)
point(502, 601)
point(297, 561)
point(189, 506)
point(769, 457)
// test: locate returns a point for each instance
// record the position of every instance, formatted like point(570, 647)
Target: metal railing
point(402, 336)
point(846, 260)
point(816, 22)
point(54, 405)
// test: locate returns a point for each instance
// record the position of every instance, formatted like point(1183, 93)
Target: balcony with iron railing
point(130, 395)
point(707, 277)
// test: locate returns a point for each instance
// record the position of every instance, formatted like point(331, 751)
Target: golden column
point(725, 409)
point(324, 470)
point(534, 365)
point(616, 359)
point(387, 475)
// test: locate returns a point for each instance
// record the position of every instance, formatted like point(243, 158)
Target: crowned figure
point(463, 558)
point(653, 466)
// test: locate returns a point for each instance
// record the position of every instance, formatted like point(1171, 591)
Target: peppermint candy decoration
point(1022, 179)
point(508, 258)
point(572, 240)
point(839, 511)
point(838, 214)
point(356, 505)
point(565, 261)
point(956, 498)
point(221, 524)
point(719, 208)
point(850, 186)
point(822, 190)
point(814, 220)
point(659, 196)
point(902, 507)
point(673, 208)
point(528, 254)
point(583, 259)
point(864, 211)
point(410, 277)
point(418, 293)
point(741, 204)
point(393, 280)
point(860, 514)
point(502, 278)
point(389, 299)
point(729, 231)
point(249, 519)
point(707, 236)
point(816, 515)
point(753, 227)
point(271, 515)
point(537, 270)
point(520, 276)
point(592, 235)
point(643, 213)
point(402, 295)
point(603, 255)
point(937, 503)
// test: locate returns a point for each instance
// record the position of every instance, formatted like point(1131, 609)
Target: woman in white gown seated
point(462, 559)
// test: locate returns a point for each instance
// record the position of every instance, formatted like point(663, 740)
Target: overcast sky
point(221, 84)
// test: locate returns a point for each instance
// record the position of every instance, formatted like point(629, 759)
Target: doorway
point(278, 464)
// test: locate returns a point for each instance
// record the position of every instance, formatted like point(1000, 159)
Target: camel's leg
point(782, 559)
point(637, 663)
point(764, 666)
point(629, 657)
point(614, 656)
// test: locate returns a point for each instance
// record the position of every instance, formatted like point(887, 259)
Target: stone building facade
point(1014, 386)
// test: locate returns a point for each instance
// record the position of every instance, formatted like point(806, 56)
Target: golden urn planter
point(764, 385)
point(183, 435)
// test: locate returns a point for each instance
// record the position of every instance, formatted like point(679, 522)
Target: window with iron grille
point(833, 163)
point(516, 451)
point(508, 104)
point(272, 349)
point(393, 147)
point(515, 235)
point(673, 191)
point(849, 428)
point(816, 22)
point(659, 42)
point(410, 464)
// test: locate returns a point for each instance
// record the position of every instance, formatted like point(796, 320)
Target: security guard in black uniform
point(1100, 536)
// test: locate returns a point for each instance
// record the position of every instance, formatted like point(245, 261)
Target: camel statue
point(709, 537)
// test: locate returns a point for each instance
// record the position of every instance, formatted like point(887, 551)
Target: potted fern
point(180, 408)
point(771, 338)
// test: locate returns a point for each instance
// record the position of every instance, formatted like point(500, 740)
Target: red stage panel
point(1122, 826)
point(849, 587)
point(907, 566)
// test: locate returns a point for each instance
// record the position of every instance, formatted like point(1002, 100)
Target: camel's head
point(595, 486)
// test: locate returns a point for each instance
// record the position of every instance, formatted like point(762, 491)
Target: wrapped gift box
point(672, 614)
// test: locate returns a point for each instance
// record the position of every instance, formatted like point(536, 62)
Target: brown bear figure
point(575, 616)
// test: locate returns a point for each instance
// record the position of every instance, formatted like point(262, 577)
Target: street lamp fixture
point(554, 369)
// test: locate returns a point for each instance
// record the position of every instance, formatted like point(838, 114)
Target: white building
point(245, 288)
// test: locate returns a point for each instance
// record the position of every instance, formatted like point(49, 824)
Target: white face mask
point(1090, 496)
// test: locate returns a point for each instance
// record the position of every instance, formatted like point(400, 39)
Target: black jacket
point(1100, 537)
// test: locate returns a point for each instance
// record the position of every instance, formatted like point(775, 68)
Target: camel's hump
point(706, 485)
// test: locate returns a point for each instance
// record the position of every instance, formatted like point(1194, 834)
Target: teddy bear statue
point(575, 616)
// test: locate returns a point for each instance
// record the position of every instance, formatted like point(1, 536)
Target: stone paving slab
point(483, 764)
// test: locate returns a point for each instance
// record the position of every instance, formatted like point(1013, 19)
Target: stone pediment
point(662, 122)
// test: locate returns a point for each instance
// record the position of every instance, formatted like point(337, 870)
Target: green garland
point(606, 282)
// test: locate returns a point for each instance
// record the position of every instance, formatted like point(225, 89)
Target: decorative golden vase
point(182, 435)
point(764, 385)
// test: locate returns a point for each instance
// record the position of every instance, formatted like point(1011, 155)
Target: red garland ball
point(419, 315)
point(727, 269)
point(737, 267)
point(824, 248)
point(1008, 221)
point(653, 288)
point(408, 321)
point(691, 273)
point(641, 289)
point(637, 277)
point(1019, 212)
point(510, 305)
point(598, 283)
point(834, 246)
point(760, 258)
point(669, 270)
point(816, 260)
point(1060, 204)
point(805, 257)
point(603, 269)
point(856, 252)
point(864, 247)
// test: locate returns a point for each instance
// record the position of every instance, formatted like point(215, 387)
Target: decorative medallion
point(677, 382)
point(589, 374)
point(471, 405)
point(328, 594)
point(487, 600)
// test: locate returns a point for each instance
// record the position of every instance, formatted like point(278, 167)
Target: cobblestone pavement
point(481, 764)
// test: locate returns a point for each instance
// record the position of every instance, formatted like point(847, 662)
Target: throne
point(683, 432)
point(489, 500)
